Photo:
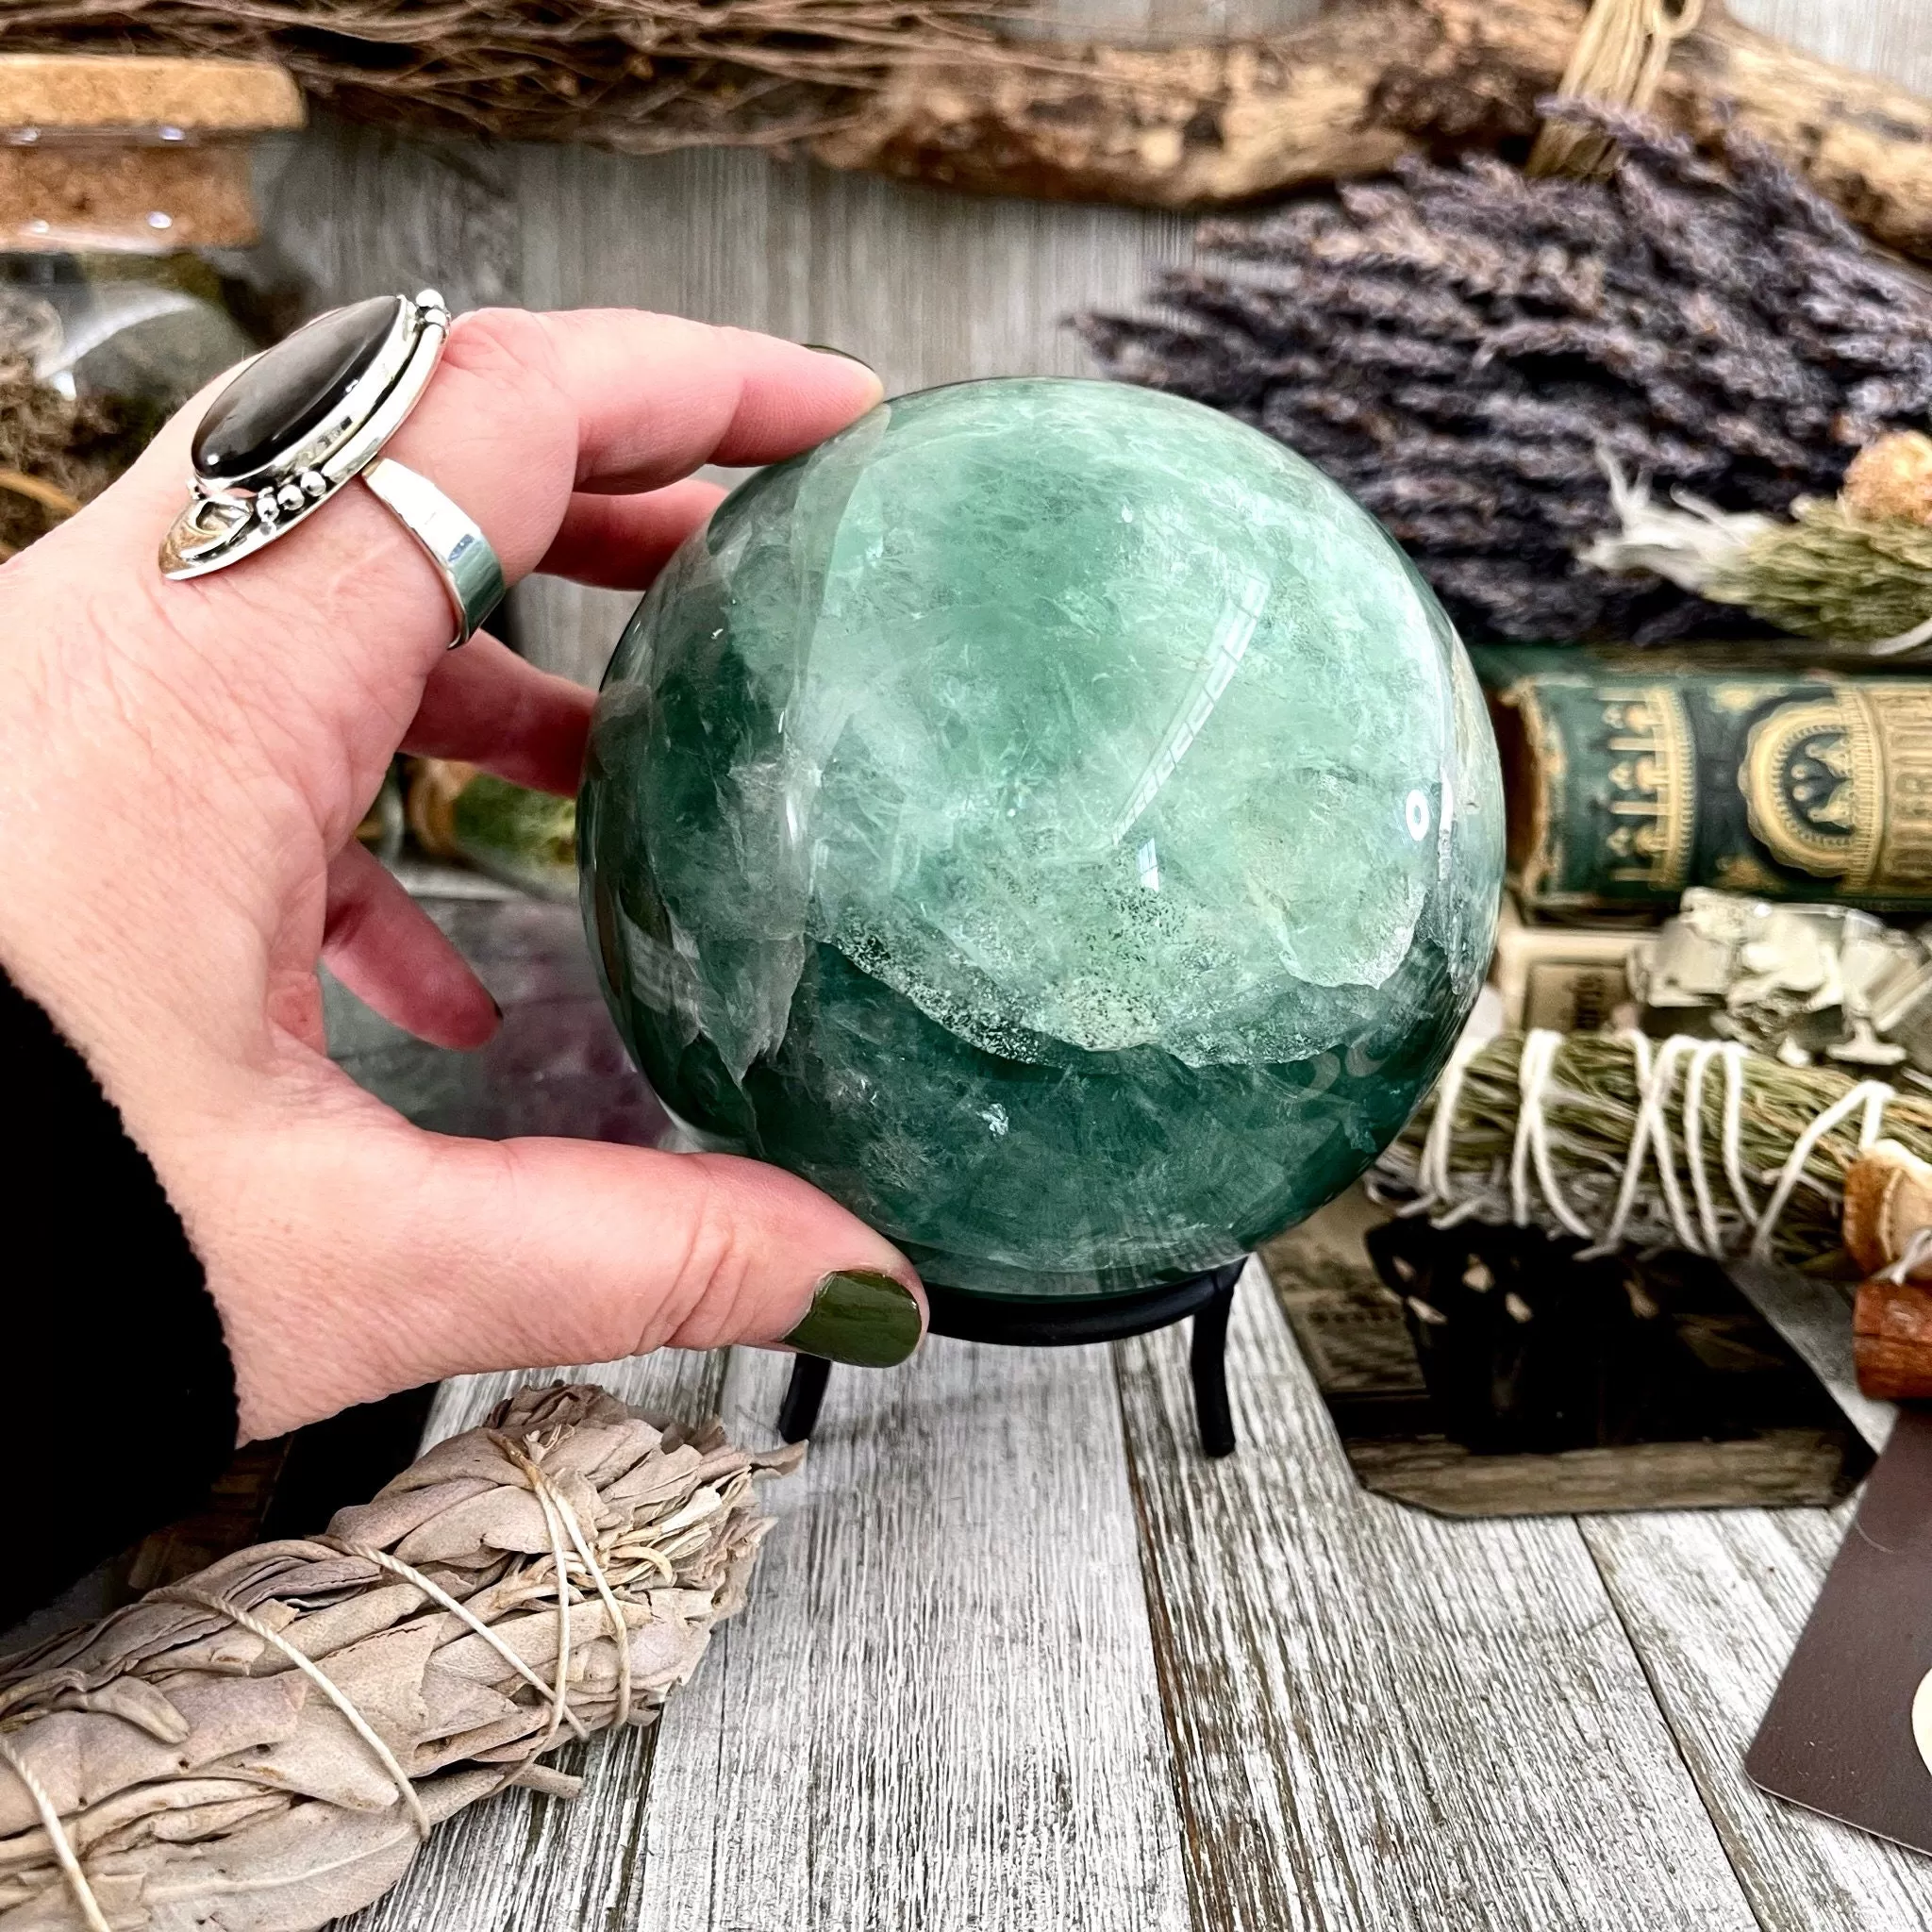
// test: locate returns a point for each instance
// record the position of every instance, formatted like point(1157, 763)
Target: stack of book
point(1633, 777)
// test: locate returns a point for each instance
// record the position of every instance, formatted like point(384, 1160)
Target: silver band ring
point(301, 420)
point(461, 551)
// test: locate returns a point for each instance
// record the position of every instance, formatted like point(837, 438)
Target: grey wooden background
point(1018, 1657)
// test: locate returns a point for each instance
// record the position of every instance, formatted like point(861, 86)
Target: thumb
point(408, 1257)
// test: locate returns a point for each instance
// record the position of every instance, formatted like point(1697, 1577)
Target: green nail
point(868, 1320)
point(844, 355)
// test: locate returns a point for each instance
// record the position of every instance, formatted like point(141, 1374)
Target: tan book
point(1571, 980)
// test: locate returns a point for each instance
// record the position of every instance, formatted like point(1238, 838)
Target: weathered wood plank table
point(1019, 1656)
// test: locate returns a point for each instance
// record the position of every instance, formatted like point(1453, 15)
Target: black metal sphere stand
point(1045, 1321)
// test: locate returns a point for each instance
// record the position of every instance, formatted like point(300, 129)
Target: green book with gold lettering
point(1631, 775)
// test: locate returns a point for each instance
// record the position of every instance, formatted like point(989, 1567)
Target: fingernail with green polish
point(868, 1320)
point(844, 355)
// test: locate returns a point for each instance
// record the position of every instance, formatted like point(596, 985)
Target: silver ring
point(304, 419)
point(461, 551)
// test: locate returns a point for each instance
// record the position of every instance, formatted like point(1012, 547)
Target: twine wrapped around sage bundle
point(262, 1747)
point(1627, 1142)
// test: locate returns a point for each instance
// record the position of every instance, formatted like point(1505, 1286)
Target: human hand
point(182, 768)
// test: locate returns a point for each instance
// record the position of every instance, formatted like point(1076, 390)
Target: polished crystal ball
point(1055, 819)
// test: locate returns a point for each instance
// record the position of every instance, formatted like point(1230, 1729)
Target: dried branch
point(930, 92)
point(1351, 93)
point(637, 74)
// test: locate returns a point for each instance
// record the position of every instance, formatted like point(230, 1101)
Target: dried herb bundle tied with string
point(1853, 569)
point(1469, 350)
point(265, 1745)
point(1623, 1141)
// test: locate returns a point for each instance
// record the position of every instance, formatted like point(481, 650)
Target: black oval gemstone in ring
point(289, 390)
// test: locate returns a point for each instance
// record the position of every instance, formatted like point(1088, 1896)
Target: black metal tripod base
point(1042, 1322)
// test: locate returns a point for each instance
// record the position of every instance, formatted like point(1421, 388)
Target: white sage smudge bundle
point(262, 1747)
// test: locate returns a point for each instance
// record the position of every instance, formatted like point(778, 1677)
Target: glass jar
point(117, 176)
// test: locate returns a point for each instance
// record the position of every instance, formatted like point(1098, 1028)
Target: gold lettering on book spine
point(1651, 785)
point(1841, 786)
point(1899, 719)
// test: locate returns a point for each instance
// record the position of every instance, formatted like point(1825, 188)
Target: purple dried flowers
point(1461, 346)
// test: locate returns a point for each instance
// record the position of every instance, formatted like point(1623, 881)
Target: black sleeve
point(119, 1392)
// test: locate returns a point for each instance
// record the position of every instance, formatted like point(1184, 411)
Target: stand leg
point(798, 1414)
point(1207, 1370)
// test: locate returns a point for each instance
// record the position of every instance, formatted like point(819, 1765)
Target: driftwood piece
point(1367, 82)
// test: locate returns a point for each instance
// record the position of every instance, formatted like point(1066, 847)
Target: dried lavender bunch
point(1461, 347)
point(450, 1633)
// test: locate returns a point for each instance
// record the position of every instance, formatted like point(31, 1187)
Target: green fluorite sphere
point(1053, 819)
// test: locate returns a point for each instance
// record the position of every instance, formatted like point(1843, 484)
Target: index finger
point(743, 398)
point(631, 401)
point(523, 410)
